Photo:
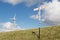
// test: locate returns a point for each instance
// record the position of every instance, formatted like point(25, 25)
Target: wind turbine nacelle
point(39, 8)
point(36, 9)
point(13, 19)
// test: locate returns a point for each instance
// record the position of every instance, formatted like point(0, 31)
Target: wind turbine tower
point(39, 15)
point(14, 20)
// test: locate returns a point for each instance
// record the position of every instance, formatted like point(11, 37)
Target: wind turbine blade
point(15, 16)
point(11, 18)
point(39, 8)
point(36, 9)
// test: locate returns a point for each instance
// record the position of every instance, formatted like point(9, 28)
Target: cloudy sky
point(26, 17)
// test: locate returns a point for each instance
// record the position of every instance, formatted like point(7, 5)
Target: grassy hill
point(47, 33)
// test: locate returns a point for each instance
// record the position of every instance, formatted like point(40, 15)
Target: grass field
point(47, 33)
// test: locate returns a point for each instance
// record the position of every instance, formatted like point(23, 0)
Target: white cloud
point(30, 2)
point(14, 2)
point(34, 17)
point(8, 26)
point(52, 12)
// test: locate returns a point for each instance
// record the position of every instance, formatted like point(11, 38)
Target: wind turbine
point(39, 15)
point(39, 11)
point(14, 20)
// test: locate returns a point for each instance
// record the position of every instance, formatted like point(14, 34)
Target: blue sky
point(23, 11)
point(22, 14)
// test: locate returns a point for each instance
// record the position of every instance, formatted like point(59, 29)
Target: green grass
point(47, 33)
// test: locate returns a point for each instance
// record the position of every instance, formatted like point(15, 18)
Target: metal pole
point(39, 19)
point(39, 32)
